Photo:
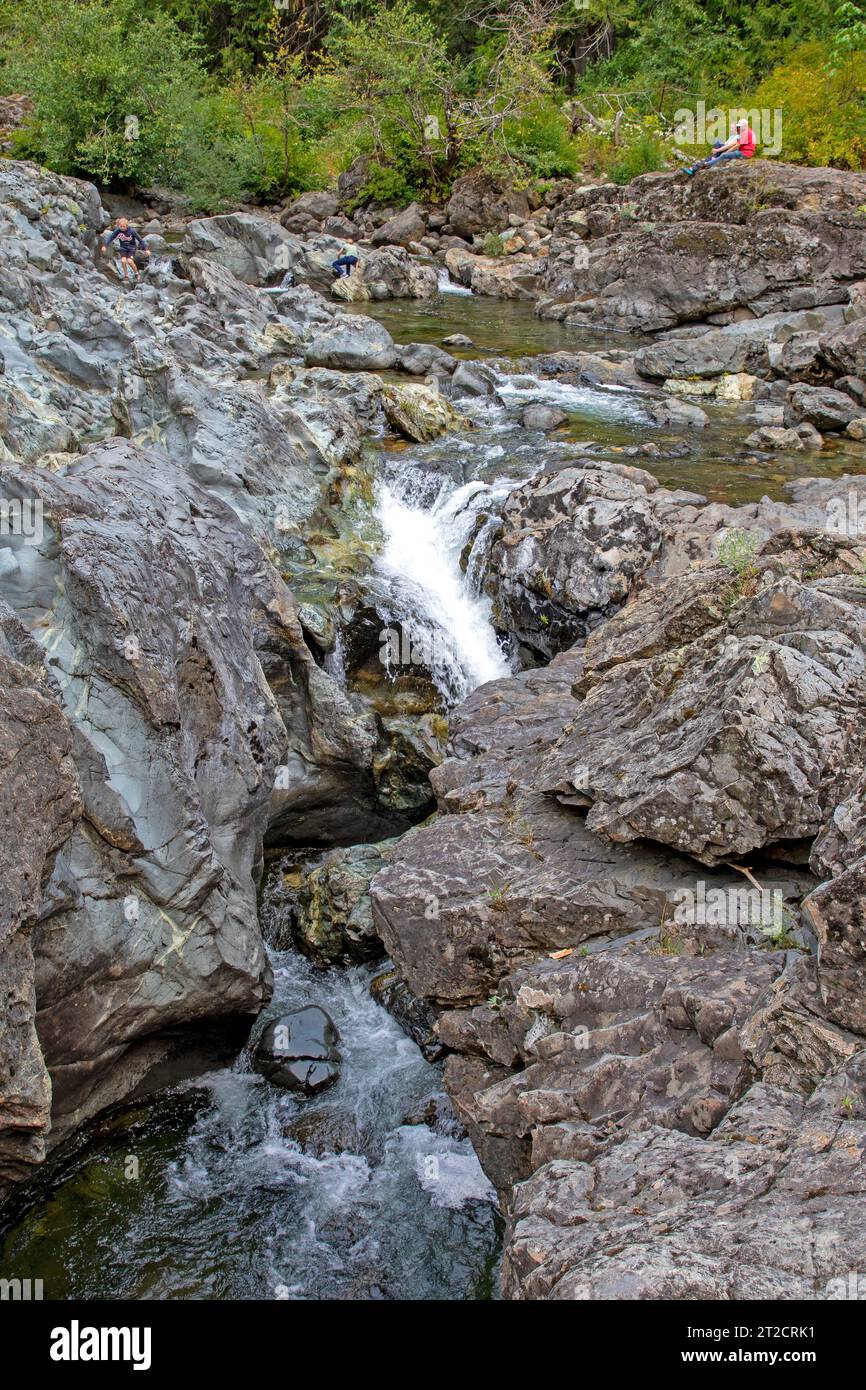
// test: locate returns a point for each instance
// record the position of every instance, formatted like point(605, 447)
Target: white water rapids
point(446, 618)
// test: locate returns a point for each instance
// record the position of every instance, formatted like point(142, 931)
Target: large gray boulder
point(407, 226)
point(823, 407)
point(571, 545)
point(391, 273)
point(481, 203)
point(666, 250)
point(353, 343)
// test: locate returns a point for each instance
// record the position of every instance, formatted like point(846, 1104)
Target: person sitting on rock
point(345, 262)
point(128, 242)
point(740, 146)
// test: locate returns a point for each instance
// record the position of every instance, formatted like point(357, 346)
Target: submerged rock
point(299, 1051)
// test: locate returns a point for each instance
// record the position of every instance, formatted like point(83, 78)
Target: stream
point(229, 1187)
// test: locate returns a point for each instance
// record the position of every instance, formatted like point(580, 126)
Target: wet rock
point(330, 1131)
point(542, 417)
point(333, 917)
point(413, 1014)
point(423, 359)
point(420, 413)
point(823, 407)
point(774, 437)
point(299, 1051)
point(679, 413)
point(472, 380)
point(437, 1113)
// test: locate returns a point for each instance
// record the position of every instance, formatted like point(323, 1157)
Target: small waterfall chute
point(438, 616)
point(449, 286)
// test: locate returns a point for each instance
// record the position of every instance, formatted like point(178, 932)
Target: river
point(229, 1187)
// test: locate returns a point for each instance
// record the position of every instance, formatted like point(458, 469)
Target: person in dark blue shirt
point(128, 242)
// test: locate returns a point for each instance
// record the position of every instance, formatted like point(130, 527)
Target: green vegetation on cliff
point(263, 98)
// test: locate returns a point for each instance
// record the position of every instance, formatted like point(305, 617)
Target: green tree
point(114, 94)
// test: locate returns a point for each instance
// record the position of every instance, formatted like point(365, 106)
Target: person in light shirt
point(740, 146)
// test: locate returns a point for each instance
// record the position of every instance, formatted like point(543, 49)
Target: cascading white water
point(611, 402)
point(449, 286)
point(447, 620)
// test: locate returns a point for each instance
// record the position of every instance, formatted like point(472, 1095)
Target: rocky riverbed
point(521, 639)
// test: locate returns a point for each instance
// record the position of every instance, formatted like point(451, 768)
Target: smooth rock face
point(160, 708)
point(354, 344)
point(149, 919)
point(39, 805)
point(299, 1051)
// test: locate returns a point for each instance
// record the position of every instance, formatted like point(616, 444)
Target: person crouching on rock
point(345, 262)
point(740, 146)
point(128, 242)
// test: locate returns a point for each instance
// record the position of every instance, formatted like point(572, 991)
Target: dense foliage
point(233, 99)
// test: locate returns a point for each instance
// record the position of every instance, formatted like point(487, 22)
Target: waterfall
point(449, 286)
point(442, 618)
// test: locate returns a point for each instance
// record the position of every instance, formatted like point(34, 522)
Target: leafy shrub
point(737, 550)
point(387, 185)
point(644, 156)
point(541, 139)
point(493, 245)
point(641, 151)
point(823, 107)
point(114, 94)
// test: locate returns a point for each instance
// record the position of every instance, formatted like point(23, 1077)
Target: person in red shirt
point(740, 146)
